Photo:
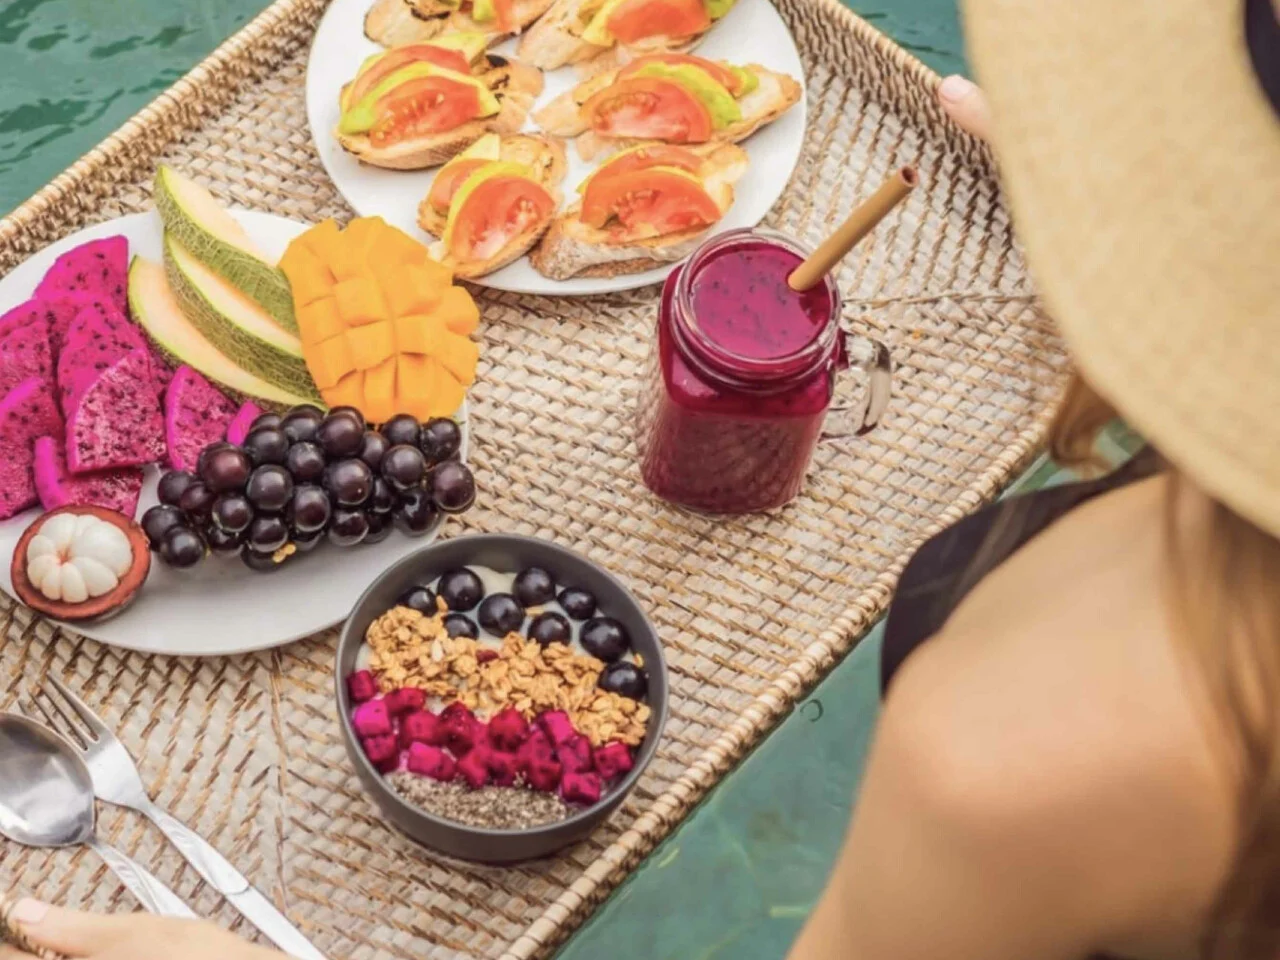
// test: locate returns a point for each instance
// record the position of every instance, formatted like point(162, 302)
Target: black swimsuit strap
point(1262, 31)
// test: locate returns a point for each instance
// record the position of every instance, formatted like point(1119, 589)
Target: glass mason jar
point(741, 375)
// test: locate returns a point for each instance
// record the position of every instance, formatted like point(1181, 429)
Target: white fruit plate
point(751, 33)
point(219, 607)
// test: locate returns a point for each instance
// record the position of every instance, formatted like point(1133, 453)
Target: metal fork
point(116, 780)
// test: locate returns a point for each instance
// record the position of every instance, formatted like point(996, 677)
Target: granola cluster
point(411, 649)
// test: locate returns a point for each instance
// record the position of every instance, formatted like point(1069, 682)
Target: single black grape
point(416, 513)
point(550, 627)
point(159, 520)
point(197, 501)
point(624, 678)
point(440, 440)
point(420, 598)
point(226, 470)
point(605, 639)
point(383, 499)
point(261, 562)
point(500, 614)
point(232, 513)
point(349, 482)
point(458, 625)
point(181, 548)
point(404, 467)
point(534, 587)
point(453, 488)
point(269, 487)
point(172, 485)
point(305, 462)
point(267, 534)
point(264, 420)
point(380, 527)
point(268, 445)
point(577, 603)
point(340, 435)
point(300, 423)
point(306, 541)
point(460, 589)
point(373, 448)
point(402, 428)
point(309, 509)
point(351, 412)
point(209, 451)
point(223, 543)
point(348, 527)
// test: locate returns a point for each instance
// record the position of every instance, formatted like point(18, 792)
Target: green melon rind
point(238, 384)
point(261, 359)
point(262, 283)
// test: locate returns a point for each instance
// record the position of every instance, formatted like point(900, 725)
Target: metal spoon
point(46, 800)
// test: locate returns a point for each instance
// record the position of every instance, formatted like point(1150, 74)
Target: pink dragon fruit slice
point(27, 412)
point(116, 421)
point(98, 338)
point(24, 346)
point(238, 428)
point(99, 268)
point(58, 310)
point(56, 487)
point(196, 414)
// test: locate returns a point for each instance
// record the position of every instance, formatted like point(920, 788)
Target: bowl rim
point(649, 749)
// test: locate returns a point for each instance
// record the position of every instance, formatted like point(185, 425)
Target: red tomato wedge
point(666, 200)
point(449, 179)
point(642, 158)
point(423, 106)
point(635, 20)
point(393, 60)
point(649, 108)
point(717, 72)
point(495, 213)
point(506, 15)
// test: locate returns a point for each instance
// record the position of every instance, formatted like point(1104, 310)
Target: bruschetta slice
point(645, 207)
point(459, 52)
point(422, 115)
point(582, 31)
point(668, 98)
point(393, 23)
point(497, 209)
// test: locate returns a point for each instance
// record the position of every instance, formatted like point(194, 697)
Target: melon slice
point(157, 310)
point(214, 237)
point(234, 324)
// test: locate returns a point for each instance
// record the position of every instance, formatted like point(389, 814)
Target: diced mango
point(448, 397)
point(419, 333)
point(323, 240)
point(459, 357)
point(329, 361)
point(319, 321)
point(348, 392)
point(393, 245)
point(370, 344)
point(357, 246)
point(404, 296)
point(360, 301)
point(380, 400)
point(415, 381)
point(459, 311)
point(309, 277)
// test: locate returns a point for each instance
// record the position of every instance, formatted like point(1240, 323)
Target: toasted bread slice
point(395, 22)
point(572, 248)
point(564, 116)
point(516, 85)
point(543, 156)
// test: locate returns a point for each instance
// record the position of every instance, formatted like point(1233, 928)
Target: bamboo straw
point(861, 222)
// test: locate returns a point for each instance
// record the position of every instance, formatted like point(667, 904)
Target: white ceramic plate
point(751, 33)
point(221, 606)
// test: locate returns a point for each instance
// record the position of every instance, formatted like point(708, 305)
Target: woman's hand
point(136, 936)
point(966, 105)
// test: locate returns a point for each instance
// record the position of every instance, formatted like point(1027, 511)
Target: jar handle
point(873, 359)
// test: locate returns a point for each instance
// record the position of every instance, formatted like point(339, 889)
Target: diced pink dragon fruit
point(583, 788)
point(99, 268)
point(56, 487)
point(238, 428)
point(362, 686)
point(574, 754)
point(371, 719)
point(196, 414)
point(98, 338)
point(116, 420)
point(422, 726)
point(502, 768)
point(508, 729)
point(25, 349)
point(612, 760)
point(27, 412)
point(431, 762)
point(383, 752)
point(474, 767)
point(405, 700)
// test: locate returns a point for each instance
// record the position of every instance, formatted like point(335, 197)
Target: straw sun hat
point(1140, 147)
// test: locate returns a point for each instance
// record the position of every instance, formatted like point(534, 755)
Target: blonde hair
point(1226, 597)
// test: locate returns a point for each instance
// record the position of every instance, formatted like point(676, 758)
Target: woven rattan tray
point(752, 611)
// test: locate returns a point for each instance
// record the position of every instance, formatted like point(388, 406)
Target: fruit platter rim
point(123, 631)
point(774, 152)
point(352, 637)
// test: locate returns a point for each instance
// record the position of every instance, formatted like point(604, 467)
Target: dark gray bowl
point(500, 552)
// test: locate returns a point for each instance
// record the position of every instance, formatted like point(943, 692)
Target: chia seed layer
point(500, 808)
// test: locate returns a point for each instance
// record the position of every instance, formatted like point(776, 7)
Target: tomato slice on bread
point(377, 68)
point(634, 20)
point(657, 200)
point(731, 81)
point(451, 176)
point(643, 157)
point(492, 207)
point(424, 106)
point(649, 108)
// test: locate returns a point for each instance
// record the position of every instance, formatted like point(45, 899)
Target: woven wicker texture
point(752, 611)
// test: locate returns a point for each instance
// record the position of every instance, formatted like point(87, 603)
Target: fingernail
point(29, 912)
point(956, 88)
